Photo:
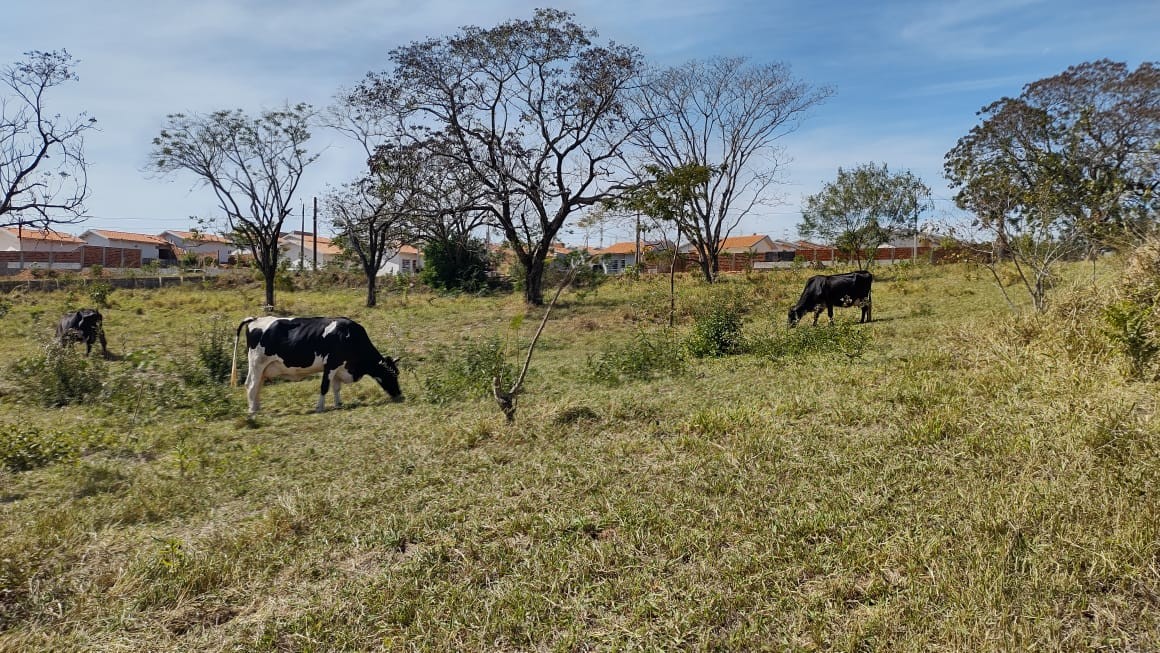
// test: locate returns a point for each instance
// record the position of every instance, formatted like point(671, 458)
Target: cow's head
point(88, 320)
point(387, 374)
point(794, 316)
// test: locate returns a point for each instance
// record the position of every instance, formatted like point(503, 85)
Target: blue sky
point(909, 76)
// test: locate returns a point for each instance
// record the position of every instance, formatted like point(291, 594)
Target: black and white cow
point(296, 347)
point(827, 291)
point(85, 325)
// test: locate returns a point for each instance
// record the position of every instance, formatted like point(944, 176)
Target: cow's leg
point(88, 346)
point(325, 388)
point(104, 344)
point(337, 385)
point(830, 313)
point(865, 312)
point(817, 314)
point(254, 388)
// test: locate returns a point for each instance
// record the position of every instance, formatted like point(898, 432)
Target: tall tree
point(728, 115)
point(253, 164)
point(43, 173)
point(369, 216)
point(1078, 151)
point(864, 208)
point(533, 109)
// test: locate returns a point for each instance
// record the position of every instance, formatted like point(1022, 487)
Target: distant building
point(408, 260)
point(299, 247)
point(152, 248)
point(201, 243)
point(13, 239)
point(618, 257)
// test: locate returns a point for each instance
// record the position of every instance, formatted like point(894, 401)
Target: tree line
point(528, 124)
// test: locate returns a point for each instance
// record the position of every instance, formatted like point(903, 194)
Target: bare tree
point(532, 108)
point(252, 164)
point(43, 173)
point(366, 216)
point(723, 114)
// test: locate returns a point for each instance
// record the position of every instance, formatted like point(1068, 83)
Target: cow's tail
point(234, 361)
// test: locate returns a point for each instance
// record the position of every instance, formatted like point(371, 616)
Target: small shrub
point(59, 376)
point(5, 306)
point(214, 352)
point(99, 292)
point(716, 333)
point(846, 338)
point(1129, 327)
point(645, 356)
point(24, 447)
point(466, 371)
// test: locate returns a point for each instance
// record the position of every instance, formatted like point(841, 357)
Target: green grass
point(963, 479)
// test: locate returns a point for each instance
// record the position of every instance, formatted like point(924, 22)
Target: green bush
point(99, 292)
point(466, 371)
point(25, 447)
point(716, 333)
point(644, 357)
point(846, 338)
point(1129, 327)
point(454, 265)
point(214, 351)
point(59, 376)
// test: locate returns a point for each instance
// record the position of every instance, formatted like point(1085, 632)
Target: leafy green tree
point(533, 109)
point(864, 208)
point(43, 173)
point(671, 196)
point(727, 115)
point(1072, 163)
point(455, 264)
point(253, 165)
point(1078, 151)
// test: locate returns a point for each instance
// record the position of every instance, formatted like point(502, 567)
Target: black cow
point(827, 291)
point(85, 325)
point(296, 347)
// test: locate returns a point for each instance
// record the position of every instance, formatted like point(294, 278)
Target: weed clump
point(845, 338)
point(466, 371)
point(58, 376)
point(24, 447)
point(716, 332)
point(647, 355)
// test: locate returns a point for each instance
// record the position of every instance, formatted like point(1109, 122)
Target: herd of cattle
point(296, 347)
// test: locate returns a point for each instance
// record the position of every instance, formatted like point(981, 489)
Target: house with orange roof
point(299, 247)
point(408, 260)
point(202, 243)
point(618, 257)
point(152, 248)
point(27, 239)
point(753, 251)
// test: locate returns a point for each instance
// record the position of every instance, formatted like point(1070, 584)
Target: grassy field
point(950, 477)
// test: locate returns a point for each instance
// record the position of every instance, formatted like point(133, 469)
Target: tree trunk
point(371, 279)
point(705, 263)
point(269, 274)
point(534, 281)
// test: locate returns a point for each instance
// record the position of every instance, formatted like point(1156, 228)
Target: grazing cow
point(296, 347)
point(827, 291)
point(85, 325)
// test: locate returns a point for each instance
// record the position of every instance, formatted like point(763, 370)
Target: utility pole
point(636, 260)
point(316, 233)
point(302, 245)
